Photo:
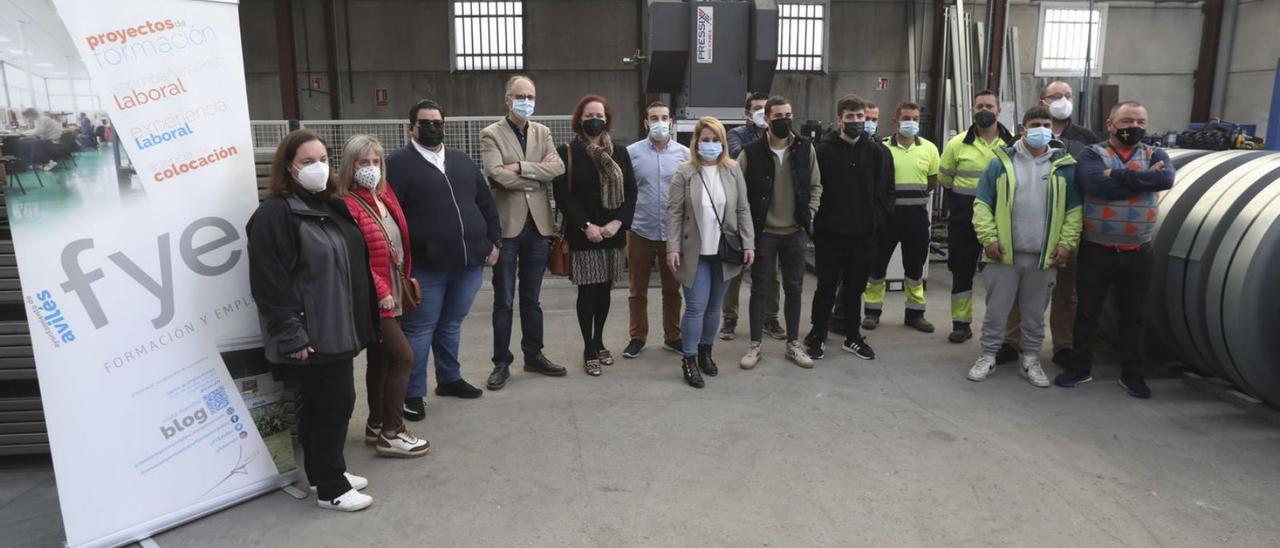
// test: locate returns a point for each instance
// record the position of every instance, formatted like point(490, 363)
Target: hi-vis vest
point(966, 156)
point(912, 167)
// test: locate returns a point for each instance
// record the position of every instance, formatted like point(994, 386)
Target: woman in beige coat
point(708, 195)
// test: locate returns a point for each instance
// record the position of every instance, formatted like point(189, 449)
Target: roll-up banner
point(134, 275)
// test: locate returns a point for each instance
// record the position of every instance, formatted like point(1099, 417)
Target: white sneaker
point(797, 354)
point(350, 501)
point(752, 358)
point(356, 482)
point(1032, 371)
point(982, 368)
point(403, 445)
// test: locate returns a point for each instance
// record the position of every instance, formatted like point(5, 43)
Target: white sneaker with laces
point(982, 368)
point(1032, 371)
point(403, 445)
point(357, 482)
point(351, 501)
point(752, 357)
point(797, 354)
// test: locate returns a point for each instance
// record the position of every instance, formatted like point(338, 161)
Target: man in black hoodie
point(857, 200)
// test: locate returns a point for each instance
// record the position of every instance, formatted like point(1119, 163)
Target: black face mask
point(984, 119)
point(431, 133)
point(853, 130)
point(1130, 136)
point(593, 127)
point(780, 127)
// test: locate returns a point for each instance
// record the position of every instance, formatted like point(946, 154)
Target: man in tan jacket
point(520, 161)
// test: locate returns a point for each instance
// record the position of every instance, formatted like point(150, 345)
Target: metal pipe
point(346, 26)
point(1220, 71)
point(286, 60)
point(331, 58)
point(1085, 91)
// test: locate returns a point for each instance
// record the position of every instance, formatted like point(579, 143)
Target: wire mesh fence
point(461, 132)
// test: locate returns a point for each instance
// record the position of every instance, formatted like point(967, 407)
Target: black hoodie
point(857, 187)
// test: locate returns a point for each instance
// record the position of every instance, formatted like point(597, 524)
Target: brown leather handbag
point(560, 263)
point(410, 291)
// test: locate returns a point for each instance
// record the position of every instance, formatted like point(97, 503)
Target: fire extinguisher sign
point(706, 35)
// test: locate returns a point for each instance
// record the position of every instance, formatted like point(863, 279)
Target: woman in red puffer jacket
point(363, 186)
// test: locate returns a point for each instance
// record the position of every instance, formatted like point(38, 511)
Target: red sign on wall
point(380, 97)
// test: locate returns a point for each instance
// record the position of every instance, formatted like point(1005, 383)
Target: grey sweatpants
point(1028, 285)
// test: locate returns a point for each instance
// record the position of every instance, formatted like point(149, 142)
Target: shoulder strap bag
point(730, 250)
point(560, 263)
point(410, 292)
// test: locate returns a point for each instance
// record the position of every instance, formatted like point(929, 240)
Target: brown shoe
point(606, 358)
point(403, 445)
point(592, 367)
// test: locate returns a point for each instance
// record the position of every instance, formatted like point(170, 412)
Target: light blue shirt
point(653, 169)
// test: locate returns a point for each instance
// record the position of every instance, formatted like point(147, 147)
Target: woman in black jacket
point(597, 196)
point(308, 272)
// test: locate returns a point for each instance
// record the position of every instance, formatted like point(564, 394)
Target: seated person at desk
point(44, 132)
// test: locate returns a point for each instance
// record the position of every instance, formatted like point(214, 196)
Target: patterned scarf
point(610, 174)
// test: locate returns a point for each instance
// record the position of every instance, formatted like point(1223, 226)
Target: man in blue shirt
point(654, 160)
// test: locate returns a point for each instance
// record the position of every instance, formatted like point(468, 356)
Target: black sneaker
point(459, 389)
point(859, 347)
point(816, 347)
point(1135, 385)
point(633, 349)
point(1006, 354)
point(775, 330)
point(727, 329)
point(676, 346)
point(414, 409)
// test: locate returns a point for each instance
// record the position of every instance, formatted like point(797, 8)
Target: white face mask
point(757, 117)
point(1061, 109)
point(368, 176)
point(659, 131)
point(315, 177)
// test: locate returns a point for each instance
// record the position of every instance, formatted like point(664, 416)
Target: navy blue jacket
point(452, 219)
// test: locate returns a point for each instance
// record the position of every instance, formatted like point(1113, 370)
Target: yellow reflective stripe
point(965, 190)
point(967, 173)
point(912, 185)
point(911, 201)
point(874, 294)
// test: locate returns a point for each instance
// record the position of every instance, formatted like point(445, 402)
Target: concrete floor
point(900, 451)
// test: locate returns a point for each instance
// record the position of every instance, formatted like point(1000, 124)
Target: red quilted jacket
point(379, 254)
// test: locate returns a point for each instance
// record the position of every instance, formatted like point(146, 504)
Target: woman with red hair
point(597, 197)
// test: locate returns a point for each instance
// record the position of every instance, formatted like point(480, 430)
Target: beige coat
point(528, 193)
point(684, 210)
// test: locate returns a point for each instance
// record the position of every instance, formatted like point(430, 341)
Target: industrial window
point(802, 36)
point(488, 35)
point(1071, 37)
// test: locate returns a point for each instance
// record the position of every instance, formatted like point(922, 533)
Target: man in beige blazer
point(520, 161)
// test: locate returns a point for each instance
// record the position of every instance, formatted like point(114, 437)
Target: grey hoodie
point(1030, 212)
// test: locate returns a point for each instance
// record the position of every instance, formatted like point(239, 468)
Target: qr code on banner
point(217, 400)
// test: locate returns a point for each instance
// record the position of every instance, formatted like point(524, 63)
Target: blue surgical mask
point(710, 151)
point(659, 131)
point(870, 127)
point(522, 107)
point(908, 128)
point(1038, 137)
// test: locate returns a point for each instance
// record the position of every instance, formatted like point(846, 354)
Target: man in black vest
point(784, 191)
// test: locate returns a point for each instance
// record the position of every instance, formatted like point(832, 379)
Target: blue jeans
point(436, 324)
point(702, 305)
point(522, 258)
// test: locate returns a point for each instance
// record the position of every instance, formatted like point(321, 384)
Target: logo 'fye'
point(181, 424)
point(80, 281)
